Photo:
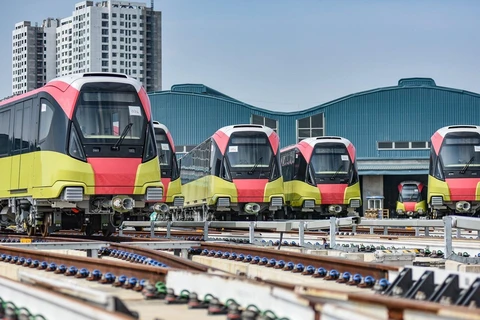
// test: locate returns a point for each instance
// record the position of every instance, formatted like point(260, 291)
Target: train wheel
point(138, 228)
point(89, 230)
point(30, 230)
point(107, 233)
point(47, 222)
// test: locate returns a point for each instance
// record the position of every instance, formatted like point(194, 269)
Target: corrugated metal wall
point(409, 112)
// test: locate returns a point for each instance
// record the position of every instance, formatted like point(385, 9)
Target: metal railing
point(332, 225)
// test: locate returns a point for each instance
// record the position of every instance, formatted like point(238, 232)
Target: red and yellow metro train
point(321, 178)
point(454, 173)
point(79, 152)
point(411, 199)
point(172, 196)
point(235, 174)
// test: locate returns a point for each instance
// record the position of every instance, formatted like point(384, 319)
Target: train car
point(233, 175)
point(411, 199)
point(321, 178)
point(78, 152)
point(172, 195)
point(454, 171)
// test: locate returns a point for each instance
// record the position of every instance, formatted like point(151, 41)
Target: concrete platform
point(263, 272)
point(461, 267)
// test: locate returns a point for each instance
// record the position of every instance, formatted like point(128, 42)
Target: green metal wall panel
point(410, 111)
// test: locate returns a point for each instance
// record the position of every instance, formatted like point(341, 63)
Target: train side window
point(26, 129)
point(216, 160)
point(17, 129)
point(4, 132)
point(287, 160)
point(300, 172)
point(46, 117)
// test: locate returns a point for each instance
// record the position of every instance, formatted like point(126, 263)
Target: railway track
point(128, 263)
point(267, 257)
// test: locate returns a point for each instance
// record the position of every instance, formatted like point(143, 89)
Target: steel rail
point(341, 265)
point(395, 307)
point(169, 259)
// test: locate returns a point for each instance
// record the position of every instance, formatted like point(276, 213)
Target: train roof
point(410, 182)
point(78, 79)
point(228, 130)
point(437, 137)
point(157, 124)
point(307, 145)
point(458, 128)
point(324, 139)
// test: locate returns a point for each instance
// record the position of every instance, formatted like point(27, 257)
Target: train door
point(16, 147)
point(6, 127)
point(26, 158)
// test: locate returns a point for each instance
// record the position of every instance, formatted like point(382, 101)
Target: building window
point(310, 127)
point(271, 123)
point(403, 145)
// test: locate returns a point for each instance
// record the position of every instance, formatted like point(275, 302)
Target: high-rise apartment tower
point(108, 36)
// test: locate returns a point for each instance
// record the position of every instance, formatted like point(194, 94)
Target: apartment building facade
point(108, 36)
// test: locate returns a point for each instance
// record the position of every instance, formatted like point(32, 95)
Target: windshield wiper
point(255, 165)
point(464, 169)
point(124, 134)
point(336, 172)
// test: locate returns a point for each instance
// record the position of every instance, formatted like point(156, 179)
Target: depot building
point(389, 126)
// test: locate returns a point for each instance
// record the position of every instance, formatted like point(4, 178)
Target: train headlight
point(437, 201)
point(276, 202)
point(400, 211)
point(154, 194)
point(309, 204)
point(355, 203)
point(420, 211)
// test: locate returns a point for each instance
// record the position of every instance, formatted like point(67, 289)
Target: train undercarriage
point(103, 214)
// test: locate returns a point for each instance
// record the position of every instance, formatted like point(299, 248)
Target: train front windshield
point(410, 193)
point(330, 162)
point(105, 111)
point(249, 155)
point(461, 153)
point(164, 150)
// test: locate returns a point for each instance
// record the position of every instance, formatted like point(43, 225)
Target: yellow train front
point(78, 153)
point(321, 178)
point(454, 177)
point(172, 197)
point(233, 175)
point(411, 200)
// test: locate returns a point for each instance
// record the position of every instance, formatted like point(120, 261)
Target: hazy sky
point(294, 54)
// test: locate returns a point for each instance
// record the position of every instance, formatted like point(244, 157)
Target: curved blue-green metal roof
point(410, 111)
